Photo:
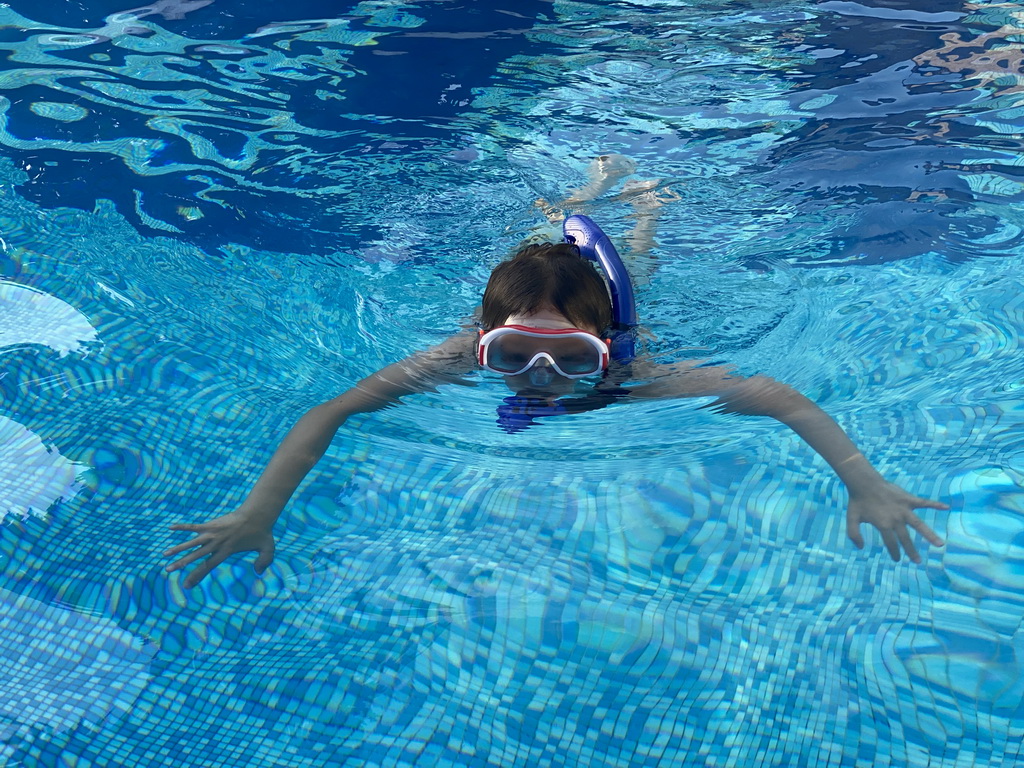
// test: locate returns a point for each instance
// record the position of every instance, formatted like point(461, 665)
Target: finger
point(853, 531)
point(265, 558)
point(177, 565)
point(919, 525)
point(889, 538)
point(908, 545)
point(184, 546)
point(919, 502)
point(194, 527)
point(203, 570)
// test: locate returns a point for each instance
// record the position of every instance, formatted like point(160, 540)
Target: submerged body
point(249, 528)
point(549, 321)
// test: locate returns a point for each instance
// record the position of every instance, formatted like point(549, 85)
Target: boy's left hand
point(219, 538)
point(890, 509)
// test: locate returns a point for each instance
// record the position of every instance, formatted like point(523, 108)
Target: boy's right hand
point(219, 538)
point(891, 510)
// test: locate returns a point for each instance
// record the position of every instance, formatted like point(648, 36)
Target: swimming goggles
point(514, 349)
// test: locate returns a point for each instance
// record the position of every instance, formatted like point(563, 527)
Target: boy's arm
point(872, 499)
point(248, 528)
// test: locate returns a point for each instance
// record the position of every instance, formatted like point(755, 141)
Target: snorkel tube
point(595, 245)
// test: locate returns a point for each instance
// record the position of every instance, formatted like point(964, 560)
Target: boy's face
point(542, 380)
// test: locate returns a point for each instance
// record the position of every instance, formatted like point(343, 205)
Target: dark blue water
point(411, 95)
point(421, 82)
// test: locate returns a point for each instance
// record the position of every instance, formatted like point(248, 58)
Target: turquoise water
point(214, 218)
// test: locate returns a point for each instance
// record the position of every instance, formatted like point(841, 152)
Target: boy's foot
point(552, 213)
point(646, 196)
point(604, 171)
point(611, 166)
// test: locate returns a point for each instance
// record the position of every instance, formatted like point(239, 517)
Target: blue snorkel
point(595, 245)
point(518, 413)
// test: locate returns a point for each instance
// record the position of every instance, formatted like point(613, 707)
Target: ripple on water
point(30, 316)
point(33, 476)
point(63, 669)
point(62, 111)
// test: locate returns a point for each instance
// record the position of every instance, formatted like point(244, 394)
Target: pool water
point(215, 215)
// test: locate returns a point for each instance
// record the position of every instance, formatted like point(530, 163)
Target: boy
point(542, 319)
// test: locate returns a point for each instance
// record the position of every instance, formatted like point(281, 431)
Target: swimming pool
point(216, 215)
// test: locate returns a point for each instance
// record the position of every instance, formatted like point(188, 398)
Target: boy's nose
point(541, 373)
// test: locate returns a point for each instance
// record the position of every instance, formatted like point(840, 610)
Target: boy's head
point(548, 275)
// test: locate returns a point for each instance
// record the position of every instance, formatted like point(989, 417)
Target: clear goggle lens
point(514, 349)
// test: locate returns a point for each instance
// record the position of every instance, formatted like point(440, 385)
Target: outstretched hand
point(890, 509)
point(219, 538)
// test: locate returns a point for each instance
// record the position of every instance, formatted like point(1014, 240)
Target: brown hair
point(548, 274)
